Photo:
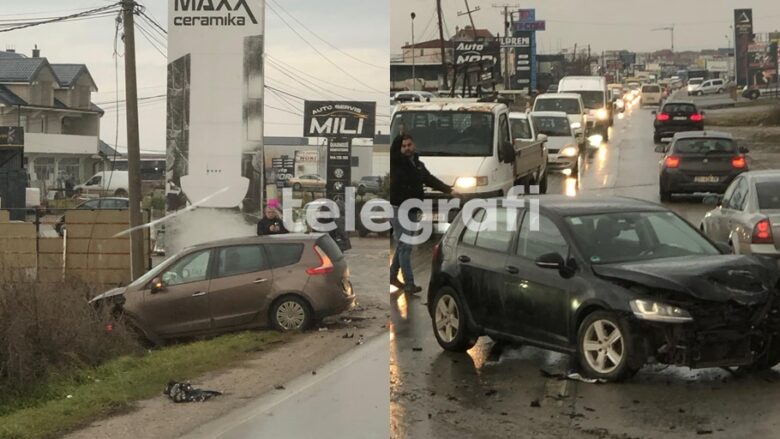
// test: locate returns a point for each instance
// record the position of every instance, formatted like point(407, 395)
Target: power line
point(153, 22)
point(283, 110)
point(323, 40)
point(303, 81)
point(146, 98)
point(150, 39)
point(281, 96)
point(284, 92)
point(112, 7)
point(330, 61)
point(332, 84)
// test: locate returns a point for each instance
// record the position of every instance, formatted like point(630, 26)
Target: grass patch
point(113, 386)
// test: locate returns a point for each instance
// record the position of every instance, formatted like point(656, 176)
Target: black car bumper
point(670, 130)
point(678, 182)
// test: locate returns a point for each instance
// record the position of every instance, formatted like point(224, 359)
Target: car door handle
point(464, 258)
point(259, 281)
point(199, 293)
point(511, 269)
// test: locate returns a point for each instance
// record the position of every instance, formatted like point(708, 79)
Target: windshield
point(705, 146)
point(567, 105)
point(592, 100)
point(651, 89)
point(768, 195)
point(552, 126)
point(447, 133)
point(521, 129)
point(636, 236)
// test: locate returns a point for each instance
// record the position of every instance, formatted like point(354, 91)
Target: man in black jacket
point(271, 223)
point(408, 176)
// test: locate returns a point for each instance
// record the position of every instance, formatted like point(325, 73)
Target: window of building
point(44, 169)
point(69, 169)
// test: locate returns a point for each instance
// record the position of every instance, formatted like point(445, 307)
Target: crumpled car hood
point(110, 293)
point(743, 279)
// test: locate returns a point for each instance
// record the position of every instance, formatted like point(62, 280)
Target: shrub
point(49, 328)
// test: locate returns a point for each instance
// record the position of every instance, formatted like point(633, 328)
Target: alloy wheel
point(447, 318)
point(290, 315)
point(603, 346)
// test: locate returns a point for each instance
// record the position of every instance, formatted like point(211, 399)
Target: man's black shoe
point(412, 289)
point(398, 284)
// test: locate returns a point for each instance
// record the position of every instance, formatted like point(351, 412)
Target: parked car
point(370, 185)
point(748, 215)
point(94, 204)
point(307, 182)
point(693, 83)
point(675, 117)
point(708, 87)
point(563, 151)
point(105, 183)
point(706, 161)
point(287, 281)
point(616, 282)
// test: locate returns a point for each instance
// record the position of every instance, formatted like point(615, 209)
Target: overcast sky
point(358, 29)
point(604, 24)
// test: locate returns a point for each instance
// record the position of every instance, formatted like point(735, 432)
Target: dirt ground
point(754, 126)
point(266, 371)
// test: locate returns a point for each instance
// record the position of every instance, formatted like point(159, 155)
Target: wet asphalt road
point(509, 392)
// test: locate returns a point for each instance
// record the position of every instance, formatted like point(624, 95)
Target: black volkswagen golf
point(617, 282)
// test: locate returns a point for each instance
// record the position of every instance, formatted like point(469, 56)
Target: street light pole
point(414, 76)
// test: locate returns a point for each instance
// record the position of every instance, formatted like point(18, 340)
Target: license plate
point(680, 118)
point(706, 179)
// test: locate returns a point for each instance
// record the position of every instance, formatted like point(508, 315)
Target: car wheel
point(656, 138)
point(605, 347)
point(543, 183)
point(720, 90)
point(297, 186)
point(666, 196)
point(120, 193)
point(449, 322)
point(606, 134)
point(291, 313)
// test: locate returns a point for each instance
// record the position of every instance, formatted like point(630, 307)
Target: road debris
point(417, 349)
point(184, 392)
point(324, 329)
point(535, 403)
point(279, 387)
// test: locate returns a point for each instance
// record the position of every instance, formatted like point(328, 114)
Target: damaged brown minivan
point(285, 281)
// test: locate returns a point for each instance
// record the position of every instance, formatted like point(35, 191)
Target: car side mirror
point(661, 149)
point(541, 137)
point(744, 149)
point(724, 248)
point(158, 285)
point(507, 152)
point(550, 260)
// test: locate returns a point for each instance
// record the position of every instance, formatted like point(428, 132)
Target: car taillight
point(738, 162)
point(672, 161)
point(697, 117)
point(662, 117)
point(326, 265)
point(762, 232)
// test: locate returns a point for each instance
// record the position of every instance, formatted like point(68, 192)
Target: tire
point(666, 196)
point(720, 90)
point(543, 183)
point(120, 193)
point(449, 322)
point(606, 134)
point(605, 347)
point(291, 313)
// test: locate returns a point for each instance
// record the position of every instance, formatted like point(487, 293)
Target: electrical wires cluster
point(12, 24)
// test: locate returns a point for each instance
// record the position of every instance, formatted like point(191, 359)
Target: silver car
point(748, 216)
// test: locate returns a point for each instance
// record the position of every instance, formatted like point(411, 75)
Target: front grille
point(710, 316)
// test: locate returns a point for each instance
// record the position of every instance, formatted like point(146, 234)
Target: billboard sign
point(342, 119)
point(215, 103)
point(743, 37)
point(467, 52)
point(523, 62)
point(717, 66)
point(515, 42)
point(762, 63)
point(530, 25)
point(339, 168)
point(284, 168)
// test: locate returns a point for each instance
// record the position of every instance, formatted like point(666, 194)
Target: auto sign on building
point(339, 122)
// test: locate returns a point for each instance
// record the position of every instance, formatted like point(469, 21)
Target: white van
point(651, 95)
point(106, 183)
point(569, 103)
point(593, 90)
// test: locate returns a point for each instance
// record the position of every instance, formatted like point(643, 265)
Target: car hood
point(108, 294)
point(743, 279)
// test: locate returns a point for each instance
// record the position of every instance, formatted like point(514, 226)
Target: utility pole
point(444, 69)
point(133, 143)
point(507, 50)
point(414, 77)
point(471, 18)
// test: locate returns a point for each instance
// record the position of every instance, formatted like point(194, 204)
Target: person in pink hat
point(271, 223)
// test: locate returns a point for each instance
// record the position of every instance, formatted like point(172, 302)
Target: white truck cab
point(593, 90)
point(470, 146)
point(569, 103)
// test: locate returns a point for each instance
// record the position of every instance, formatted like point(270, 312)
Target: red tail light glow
point(436, 253)
point(697, 117)
point(662, 117)
point(739, 162)
point(762, 232)
point(672, 162)
point(326, 265)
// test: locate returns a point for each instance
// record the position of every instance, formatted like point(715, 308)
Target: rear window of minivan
point(651, 89)
point(282, 255)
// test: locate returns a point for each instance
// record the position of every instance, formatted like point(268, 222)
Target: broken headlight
point(659, 312)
